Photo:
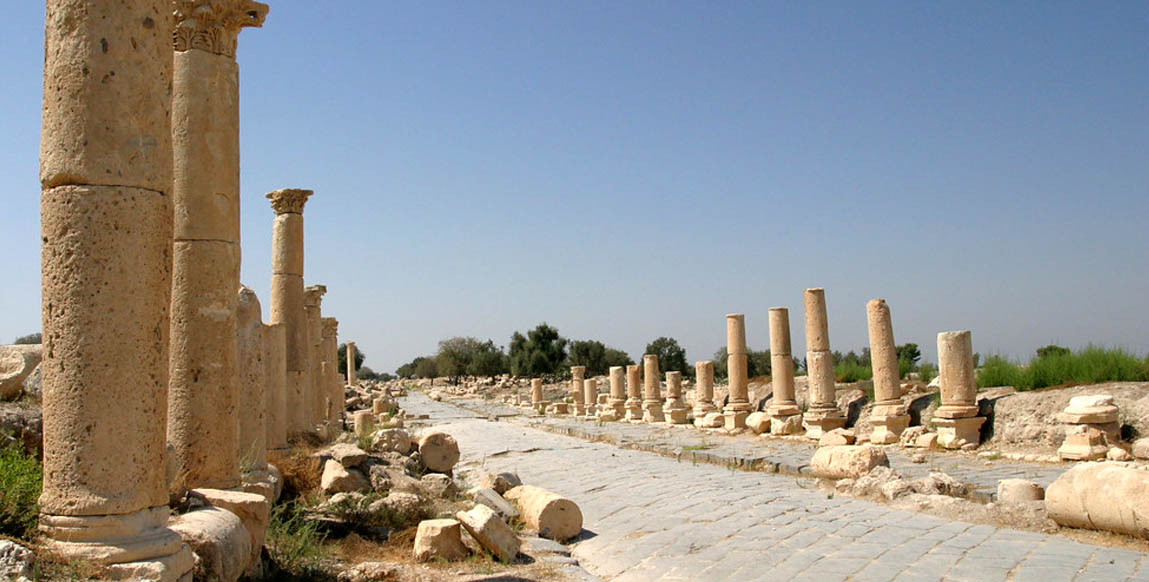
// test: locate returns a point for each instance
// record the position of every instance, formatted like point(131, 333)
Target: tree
point(467, 355)
point(617, 358)
point(425, 368)
point(541, 351)
point(908, 352)
point(1051, 351)
point(341, 353)
point(757, 363)
point(488, 360)
point(32, 338)
point(671, 356)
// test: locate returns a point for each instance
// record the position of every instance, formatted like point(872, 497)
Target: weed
point(927, 372)
point(295, 545)
point(851, 371)
point(20, 475)
point(1091, 365)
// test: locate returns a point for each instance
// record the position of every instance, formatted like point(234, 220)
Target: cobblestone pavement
point(649, 517)
point(787, 456)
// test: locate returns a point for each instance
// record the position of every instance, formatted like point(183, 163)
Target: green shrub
point(852, 371)
point(1056, 366)
point(927, 372)
point(999, 371)
point(295, 545)
point(20, 475)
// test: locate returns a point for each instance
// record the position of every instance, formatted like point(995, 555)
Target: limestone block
point(348, 455)
point(438, 484)
point(1102, 496)
point(254, 511)
point(1019, 491)
point(675, 415)
point(252, 397)
point(848, 461)
point(15, 561)
point(1118, 454)
point(339, 479)
point(221, 543)
point(549, 514)
point(500, 482)
point(926, 440)
point(393, 439)
point(439, 451)
point(16, 364)
point(956, 375)
point(817, 324)
point(652, 412)
point(1083, 443)
point(784, 425)
point(490, 531)
point(911, 434)
point(758, 422)
point(836, 437)
point(779, 322)
point(492, 499)
point(364, 422)
point(955, 433)
point(711, 420)
point(439, 538)
point(888, 429)
point(1141, 448)
point(1092, 409)
point(734, 419)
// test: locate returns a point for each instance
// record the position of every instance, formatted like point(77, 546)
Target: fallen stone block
point(439, 450)
point(549, 514)
point(395, 439)
point(1083, 443)
point(490, 531)
point(1101, 496)
point(253, 510)
point(500, 482)
point(1141, 448)
point(16, 363)
point(492, 499)
point(758, 422)
point(711, 420)
point(440, 538)
point(1012, 491)
point(837, 437)
point(840, 462)
point(348, 455)
point(221, 543)
point(339, 479)
point(439, 485)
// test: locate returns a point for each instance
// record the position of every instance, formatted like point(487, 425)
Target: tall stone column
point(106, 276)
point(252, 396)
point(202, 412)
point(737, 362)
point(652, 393)
point(956, 419)
point(333, 382)
point(589, 398)
point(785, 416)
point(578, 406)
point(633, 393)
point(889, 416)
point(704, 394)
point(287, 300)
point(617, 408)
point(352, 372)
point(823, 414)
point(275, 370)
point(317, 397)
point(675, 409)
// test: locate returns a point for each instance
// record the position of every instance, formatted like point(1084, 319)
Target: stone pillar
point(287, 300)
point(252, 396)
point(785, 416)
point(956, 419)
point(333, 381)
point(675, 409)
point(704, 394)
point(275, 370)
point(578, 406)
point(652, 394)
point(617, 409)
point(738, 407)
point(633, 393)
point(589, 397)
point(317, 397)
point(889, 416)
point(106, 279)
point(536, 391)
point(364, 422)
point(823, 414)
point(352, 372)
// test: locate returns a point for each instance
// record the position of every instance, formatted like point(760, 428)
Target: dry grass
point(301, 471)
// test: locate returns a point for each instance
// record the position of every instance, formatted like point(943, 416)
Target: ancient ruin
point(785, 416)
point(956, 420)
point(889, 416)
point(823, 414)
point(287, 301)
point(739, 407)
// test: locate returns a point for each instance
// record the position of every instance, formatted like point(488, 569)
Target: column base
point(786, 425)
point(888, 429)
point(1083, 443)
point(652, 412)
point(821, 421)
point(783, 409)
point(955, 433)
point(558, 409)
point(134, 546)
point(701, 410)
point(734, 419)
point(676, 415)
point(633, 411)
point(956, 411)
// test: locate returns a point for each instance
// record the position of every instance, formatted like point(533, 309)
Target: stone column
point(317, 397)
point(633, 393)
point(823, 414)
point(106, 277)
point(287, 300)
point(536, 391)
point(617, 409)
point(704, 394)
point(785, 416)
point(889, 416)
point(352, 372)
point(956, 419)
point(589, 397)
point(652, 394)
point(334, 382)
point(738, 407)
point(252, 396)
point(675, 409)
point(275, 370)
point(578, 406)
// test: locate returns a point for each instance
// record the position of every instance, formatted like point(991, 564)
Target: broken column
point(616, 409)
point(589, 397)
point(316, 398)
point(675, 409)
point(106, 276)
point(578, 407)
point(333, 381)
point(738, 407)
point(352, 372)
point(536, 391)
point(956, 419)
point(287, 300)
point(252, 396)
point(823, 414)
point(704, 394)
point(275, 370)
point(652, 393)
point(889, 416)
point(633, 393)
point(785, 416)
point(1091, 427)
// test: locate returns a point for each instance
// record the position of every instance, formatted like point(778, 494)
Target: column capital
point(330, 327)
point(289, 200)
point(313, 295)
point(213, 25)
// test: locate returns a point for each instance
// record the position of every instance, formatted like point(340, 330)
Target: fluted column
point(106, 276)
point(287, 300)
point(823, 414)
point(956, 419)
point(652, 393)
point(785, 416)
point(634, 393)
point(888, 417)
point(737, 361)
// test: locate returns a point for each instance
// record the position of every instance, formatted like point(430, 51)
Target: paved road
point(649, 517)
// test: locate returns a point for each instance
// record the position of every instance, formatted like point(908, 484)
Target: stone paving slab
point(786, 456)
point(649, 517)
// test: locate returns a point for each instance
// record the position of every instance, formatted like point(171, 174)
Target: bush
point(999, 371)
point(295, 545)
point(1054, 367)
point(20, 476)
point(852, 371)
point(927, 372)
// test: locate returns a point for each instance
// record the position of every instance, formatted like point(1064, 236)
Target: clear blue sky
point(627, 170)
